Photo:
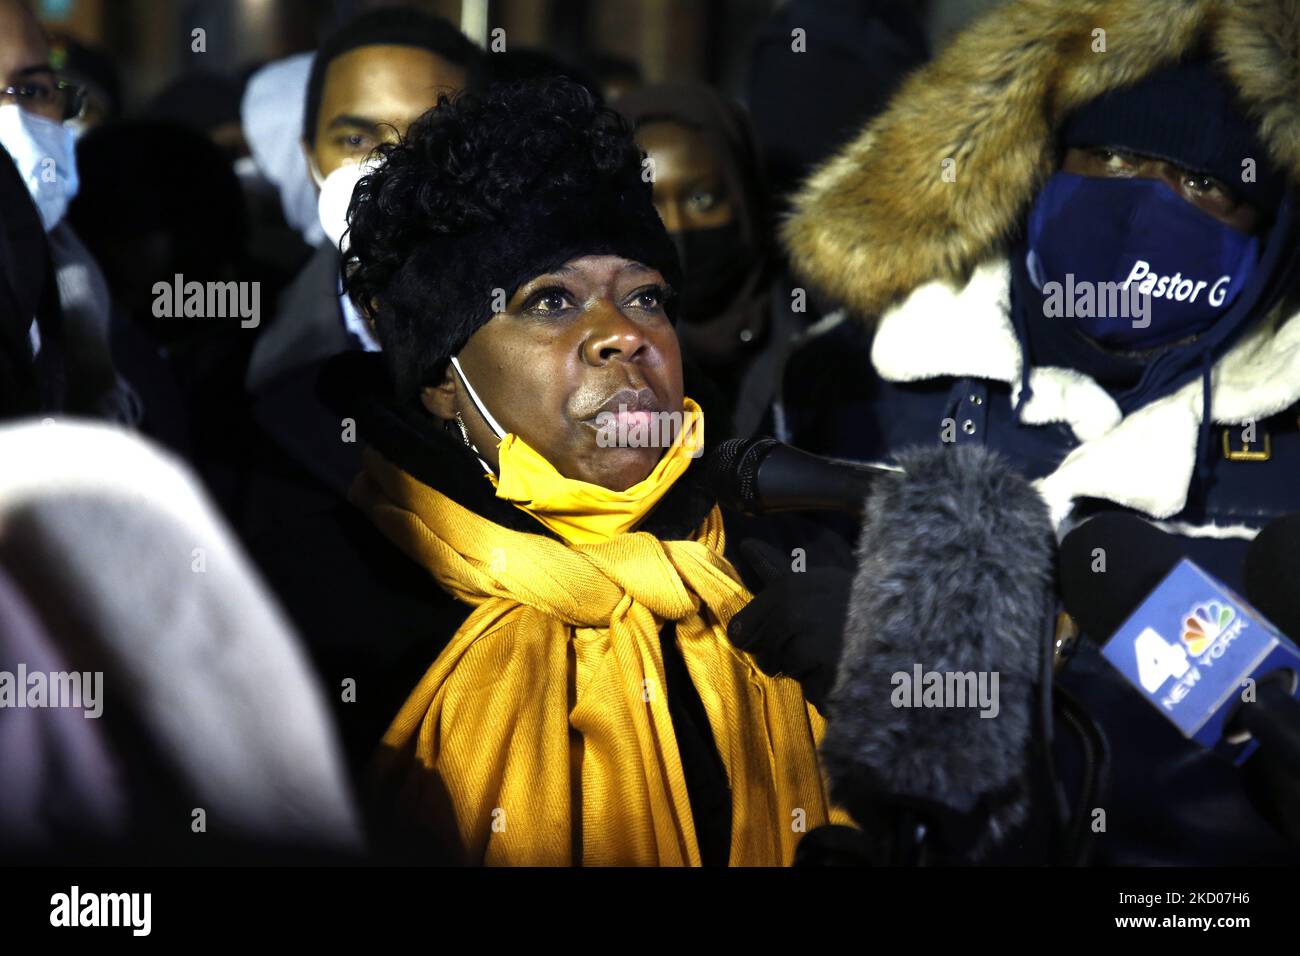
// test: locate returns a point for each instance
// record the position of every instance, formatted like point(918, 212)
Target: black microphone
point(1136, 556)
point(1273, 573)
point(763, 476)
point(953, 600)
point(1273, 587)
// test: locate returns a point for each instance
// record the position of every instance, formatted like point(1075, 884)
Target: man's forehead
point(386, 82)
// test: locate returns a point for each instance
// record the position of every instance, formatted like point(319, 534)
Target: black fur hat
point(487, 191)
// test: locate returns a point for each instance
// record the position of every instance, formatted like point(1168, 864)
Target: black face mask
point(714, 264)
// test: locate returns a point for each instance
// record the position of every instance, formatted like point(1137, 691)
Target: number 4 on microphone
point(1220, 644)
point(1158, 660)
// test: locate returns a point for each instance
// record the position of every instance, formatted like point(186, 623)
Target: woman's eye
point(650, 299)
point(547, 302)
point(355, 141)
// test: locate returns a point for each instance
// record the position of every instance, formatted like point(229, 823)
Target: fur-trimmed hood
point(937, 184)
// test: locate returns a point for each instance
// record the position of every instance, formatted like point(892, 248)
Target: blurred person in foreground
point(534, 502)
point(737, 316)
point(978, 223)
point(369, 80)
point(150, 689)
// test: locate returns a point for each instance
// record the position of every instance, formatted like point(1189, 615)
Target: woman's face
point(690, 191)
point(572, 344)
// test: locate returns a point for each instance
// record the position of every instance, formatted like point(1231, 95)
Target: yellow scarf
point(541, 734)
point(583, 513)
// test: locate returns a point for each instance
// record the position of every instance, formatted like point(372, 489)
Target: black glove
point(834, 845)
point(795, 625)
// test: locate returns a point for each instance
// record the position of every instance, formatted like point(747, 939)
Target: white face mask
point(487, 416)
point(335, 196)
point(45, 153)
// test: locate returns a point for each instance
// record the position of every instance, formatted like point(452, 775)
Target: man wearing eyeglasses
point(35, 105)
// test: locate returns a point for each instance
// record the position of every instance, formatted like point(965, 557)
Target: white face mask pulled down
point(336, 195)
point(482, 410)
point(45, 153)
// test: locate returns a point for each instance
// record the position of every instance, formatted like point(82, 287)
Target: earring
point(464, 432)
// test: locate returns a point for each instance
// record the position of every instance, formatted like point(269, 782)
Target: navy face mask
point(714, 264)
point(1139, 234)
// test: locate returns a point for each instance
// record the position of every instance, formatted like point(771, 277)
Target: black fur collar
point(355, 385)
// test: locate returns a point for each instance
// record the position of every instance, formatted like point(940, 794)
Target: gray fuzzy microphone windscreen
point(934, 702)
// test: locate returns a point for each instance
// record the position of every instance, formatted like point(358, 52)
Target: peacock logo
point(1205, 623)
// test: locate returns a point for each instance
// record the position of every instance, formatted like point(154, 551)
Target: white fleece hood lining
point(1144, 461)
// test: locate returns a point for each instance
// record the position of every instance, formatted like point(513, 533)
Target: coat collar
point(1143, 461)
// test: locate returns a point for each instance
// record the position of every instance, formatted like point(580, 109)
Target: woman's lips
point(626, 405)
point(628, 419)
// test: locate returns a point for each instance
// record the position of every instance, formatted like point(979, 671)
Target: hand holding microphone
point(795, 625)
point(942, 673)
